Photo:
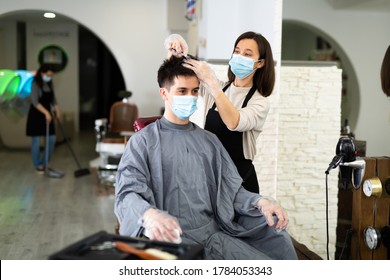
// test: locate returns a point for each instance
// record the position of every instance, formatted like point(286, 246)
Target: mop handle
point(65, 138)
point(67, 143)
point(47, 147)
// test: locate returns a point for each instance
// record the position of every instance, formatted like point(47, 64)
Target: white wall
point(14, 120)
point(364, 37)
point(221, 22)
point(7, 45)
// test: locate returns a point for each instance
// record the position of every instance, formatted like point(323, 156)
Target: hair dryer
point(345, 152)
point(351, 169)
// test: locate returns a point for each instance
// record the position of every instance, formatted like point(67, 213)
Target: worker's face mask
point(183, 106)
point(46, 79)
point(241, 66)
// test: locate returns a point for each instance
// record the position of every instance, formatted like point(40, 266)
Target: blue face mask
point(241, 66)
point(183, 106)
point(46, 79)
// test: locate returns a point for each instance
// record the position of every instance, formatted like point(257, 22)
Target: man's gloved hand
point(270, 208)
point(176, 45)
point(161, 226)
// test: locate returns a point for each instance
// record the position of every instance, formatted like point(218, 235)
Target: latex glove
point(176, 45)
point(205, 74)
point(161, 226)
point(270, 209)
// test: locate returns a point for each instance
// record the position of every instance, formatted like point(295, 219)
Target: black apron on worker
point(36, 121)
point(233, 143)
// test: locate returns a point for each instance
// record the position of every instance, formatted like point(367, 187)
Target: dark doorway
point(100, 79)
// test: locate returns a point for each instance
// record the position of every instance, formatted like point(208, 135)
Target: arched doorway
point(98, 78)
point(303, 42)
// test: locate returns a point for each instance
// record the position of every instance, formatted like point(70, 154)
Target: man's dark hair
point(170, 69)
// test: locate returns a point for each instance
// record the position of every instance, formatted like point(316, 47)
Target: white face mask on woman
point(46, 79)
point(241, 66)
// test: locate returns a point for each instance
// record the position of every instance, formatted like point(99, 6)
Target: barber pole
point(190, 15)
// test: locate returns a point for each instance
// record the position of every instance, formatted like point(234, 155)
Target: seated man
point(177, 181)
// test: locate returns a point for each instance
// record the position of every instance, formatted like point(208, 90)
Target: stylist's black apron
point(233, 143)
point(36, 121)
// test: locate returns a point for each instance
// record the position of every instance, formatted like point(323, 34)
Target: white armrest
point(101, 122)
point(127, 133)
point(110, 148)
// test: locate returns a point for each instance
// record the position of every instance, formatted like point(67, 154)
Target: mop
point(80, 171)
point(50, 172)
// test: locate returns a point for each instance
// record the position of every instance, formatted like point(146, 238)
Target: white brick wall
point(295, 148)
point(302, 129)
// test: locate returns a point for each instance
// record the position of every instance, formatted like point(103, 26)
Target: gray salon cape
point(185, 171)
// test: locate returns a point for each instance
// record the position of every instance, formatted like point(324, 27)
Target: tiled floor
point(40, 215)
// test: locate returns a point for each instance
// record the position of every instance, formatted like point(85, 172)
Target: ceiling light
point(49, 15)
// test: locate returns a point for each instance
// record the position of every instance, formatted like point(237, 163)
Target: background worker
point(43, 101)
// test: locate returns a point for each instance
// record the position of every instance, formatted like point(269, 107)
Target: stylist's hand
point(161, 226)
point(205, 74)
point(176, 45)
point(270, 209)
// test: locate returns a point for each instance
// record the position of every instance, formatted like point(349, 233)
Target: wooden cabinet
point(356, 212)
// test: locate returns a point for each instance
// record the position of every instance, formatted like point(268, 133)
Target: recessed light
point(49, 15)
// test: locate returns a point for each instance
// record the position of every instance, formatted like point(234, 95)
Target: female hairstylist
point(236, 113)
point(39, 116)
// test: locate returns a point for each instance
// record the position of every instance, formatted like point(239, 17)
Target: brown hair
point(385, 73)
point(264, 78)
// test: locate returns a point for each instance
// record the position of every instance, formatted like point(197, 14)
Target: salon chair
point(113, 134)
